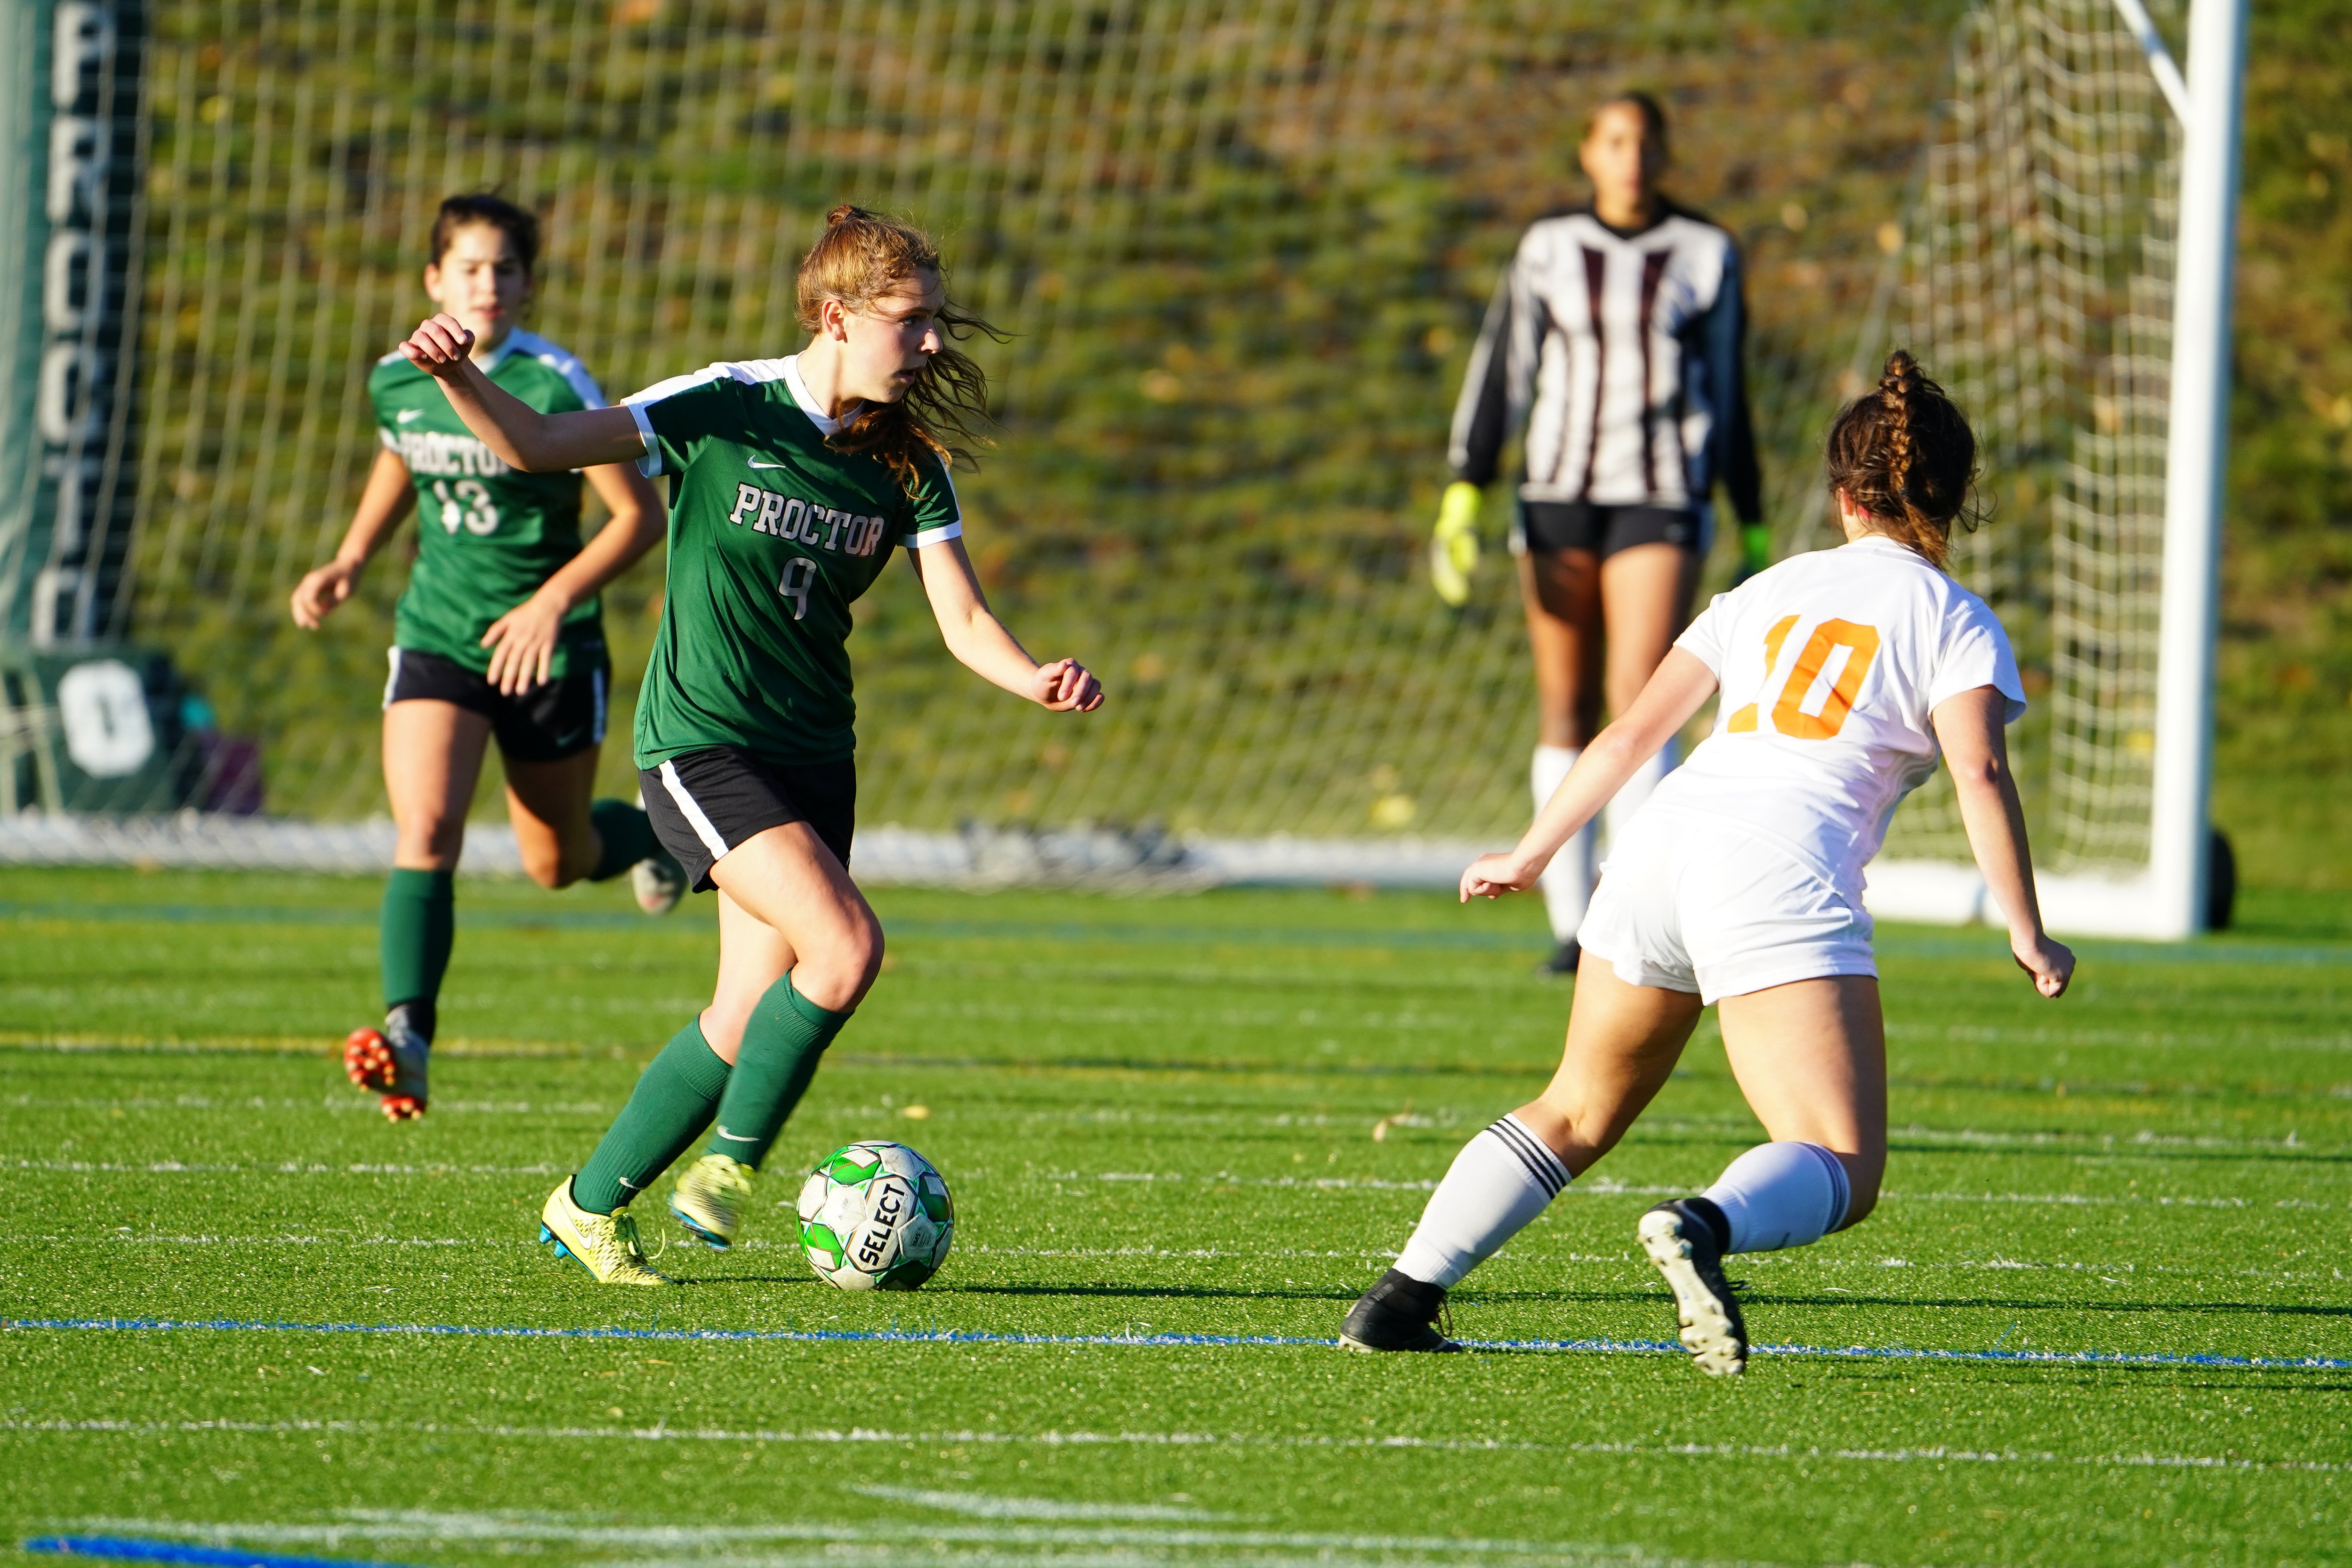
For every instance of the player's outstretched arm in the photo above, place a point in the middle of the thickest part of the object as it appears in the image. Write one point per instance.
(1976, 747)
(1678, 689)
(523, 437)
(522, 642)
(981, 645)
(389, 497)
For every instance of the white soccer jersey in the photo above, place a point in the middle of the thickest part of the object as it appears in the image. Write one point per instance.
(1621, 354)
(1831, 665)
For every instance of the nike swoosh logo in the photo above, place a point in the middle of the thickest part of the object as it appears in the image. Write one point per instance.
(736, 1137)
(757, 463)
(405, 414)
(562, 741)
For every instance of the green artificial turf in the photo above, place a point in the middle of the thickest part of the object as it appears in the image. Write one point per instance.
(1158, 1118)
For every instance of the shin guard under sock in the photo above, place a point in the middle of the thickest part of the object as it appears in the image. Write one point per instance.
(1567, 882)
(1781, 1195)
(782, 1042)
(1499, 1182)
(420, 913)
(672, 1103)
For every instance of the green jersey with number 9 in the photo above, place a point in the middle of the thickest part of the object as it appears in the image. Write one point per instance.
(773, 535)
(487, 535)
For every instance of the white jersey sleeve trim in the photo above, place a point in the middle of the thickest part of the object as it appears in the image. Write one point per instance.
(650, 465)
(938, 535)
(562, 362)
(751, 372)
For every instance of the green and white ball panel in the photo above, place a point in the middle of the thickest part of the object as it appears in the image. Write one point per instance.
(875, 1215)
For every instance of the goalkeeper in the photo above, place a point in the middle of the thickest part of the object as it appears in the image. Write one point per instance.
(1615, 340)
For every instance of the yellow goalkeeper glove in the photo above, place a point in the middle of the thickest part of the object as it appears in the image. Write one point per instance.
(1453, 547)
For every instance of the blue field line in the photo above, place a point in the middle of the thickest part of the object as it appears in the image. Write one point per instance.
(977, 1336)
(129, 1549)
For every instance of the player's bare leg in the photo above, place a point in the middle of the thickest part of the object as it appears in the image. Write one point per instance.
(798, 947)
(1645, 601)
(548, 803)
(432, 758)
(1810, 1056)
(1561, 591)
(1622, 1042)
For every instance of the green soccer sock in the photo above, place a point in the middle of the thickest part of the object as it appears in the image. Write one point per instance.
(627, 834)
(672, 1103)
(420, 915)
(782, 1044)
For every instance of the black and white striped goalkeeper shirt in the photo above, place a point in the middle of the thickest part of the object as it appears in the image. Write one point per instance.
(1621, 353)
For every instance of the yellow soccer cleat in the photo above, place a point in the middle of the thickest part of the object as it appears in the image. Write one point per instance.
(603, 1244)
(1453, 546)
(710, 1196)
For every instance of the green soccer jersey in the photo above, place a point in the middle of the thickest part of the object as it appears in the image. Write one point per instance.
(773, 535)
(488, 536)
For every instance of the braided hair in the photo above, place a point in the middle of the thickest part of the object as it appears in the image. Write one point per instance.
(860, 256)
(1903, 452)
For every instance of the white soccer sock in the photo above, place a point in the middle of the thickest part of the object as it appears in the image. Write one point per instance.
(1633, 791)
(1781, 1195)
(1498, 1183)
(1567, 882)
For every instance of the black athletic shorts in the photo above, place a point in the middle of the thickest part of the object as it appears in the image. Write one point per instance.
(704, 803)
(545, 724)
(1549, 525)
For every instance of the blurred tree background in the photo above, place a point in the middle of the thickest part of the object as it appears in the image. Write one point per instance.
(1243, 249)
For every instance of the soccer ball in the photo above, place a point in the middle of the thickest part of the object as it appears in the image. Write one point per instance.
(876, 1217)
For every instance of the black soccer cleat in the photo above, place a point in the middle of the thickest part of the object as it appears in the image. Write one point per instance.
(1398, 1313)
(1563, 961)
(1685, 1238)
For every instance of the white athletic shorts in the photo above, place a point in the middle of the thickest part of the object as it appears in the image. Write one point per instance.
(1690, 905)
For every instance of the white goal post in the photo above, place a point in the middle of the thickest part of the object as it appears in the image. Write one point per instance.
(2168, 897)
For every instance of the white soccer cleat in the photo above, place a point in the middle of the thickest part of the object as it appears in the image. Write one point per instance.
(658, 882)
(1682, 1245)
(603, 1244)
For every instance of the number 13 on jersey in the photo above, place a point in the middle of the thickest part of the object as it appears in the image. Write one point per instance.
(1789, 714)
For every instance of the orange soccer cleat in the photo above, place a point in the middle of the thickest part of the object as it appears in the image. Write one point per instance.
(382, 1067)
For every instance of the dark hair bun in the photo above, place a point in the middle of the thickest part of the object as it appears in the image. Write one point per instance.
(844, 213)
(1903, 452)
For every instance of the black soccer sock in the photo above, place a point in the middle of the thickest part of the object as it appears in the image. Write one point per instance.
(627, 834)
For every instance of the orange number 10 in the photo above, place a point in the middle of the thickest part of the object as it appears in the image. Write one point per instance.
(1861, 643)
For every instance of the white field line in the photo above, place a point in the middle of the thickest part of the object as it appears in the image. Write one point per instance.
(985, 1505)
(282, 1168)
(336, 1104)
(1595, 1186)
(1602, 1187)
(1532, 1256)
(2000, 1034)
(1936, 1453)
(369, 1525)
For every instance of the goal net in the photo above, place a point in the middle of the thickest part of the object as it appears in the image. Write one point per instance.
(2036, 283)
(1242, 246)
